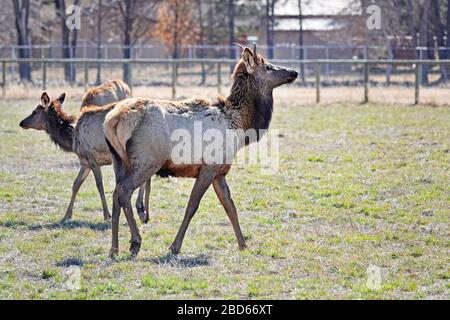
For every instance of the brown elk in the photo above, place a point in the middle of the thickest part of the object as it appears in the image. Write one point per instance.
(138, 132)
(82, 135)
(111, 91)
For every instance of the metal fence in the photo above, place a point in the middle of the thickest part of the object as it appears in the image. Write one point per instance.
(175, 70)
(86, 50)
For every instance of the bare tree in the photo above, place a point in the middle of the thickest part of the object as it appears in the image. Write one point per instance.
(300, 38)
(270, 23)
(440, 37)
(201, 37)
(135, 20)
(424, 39)
(69, 39)
(177, 25)
(22, 15)
(99, 40)
(231, 38)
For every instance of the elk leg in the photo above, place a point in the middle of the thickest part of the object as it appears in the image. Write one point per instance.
(82, 175)
(143, 210)
(125, 191)
(115, 226)
(202, 184)
(99, 182)
(147, 199)
(223, 193)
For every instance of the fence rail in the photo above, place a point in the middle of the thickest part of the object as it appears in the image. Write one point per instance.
(281, 50)
(174, 63)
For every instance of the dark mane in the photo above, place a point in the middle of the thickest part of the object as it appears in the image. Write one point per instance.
(247, 97)
(60, 126)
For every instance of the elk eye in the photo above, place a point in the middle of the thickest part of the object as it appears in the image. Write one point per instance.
(268, 68)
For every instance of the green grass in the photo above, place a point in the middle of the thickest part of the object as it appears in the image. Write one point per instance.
(357, 186)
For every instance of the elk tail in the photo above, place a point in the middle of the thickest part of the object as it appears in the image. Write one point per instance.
(117, 138)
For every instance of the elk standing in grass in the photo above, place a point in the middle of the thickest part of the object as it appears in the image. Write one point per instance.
(84, 136)
(138, 132)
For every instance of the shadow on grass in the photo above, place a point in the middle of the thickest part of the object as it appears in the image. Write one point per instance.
(70, 262)
(177, 261)
(65, 225)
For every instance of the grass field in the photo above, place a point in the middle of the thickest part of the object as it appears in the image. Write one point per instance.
(358, 186)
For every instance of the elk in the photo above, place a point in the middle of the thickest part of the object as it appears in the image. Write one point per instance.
(83, 135)
(138, 132)
(111, 91)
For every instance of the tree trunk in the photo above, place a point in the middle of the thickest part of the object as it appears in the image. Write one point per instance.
(447, 43)
(99, 41)
(128, 28)
(390, 56)
(439, 30)
(201, 39)
(175, 43)
(21, 13)
(231, 38)
(412, 26)
(424, 40)
(270, 7)
(69, 40)
(301, 40)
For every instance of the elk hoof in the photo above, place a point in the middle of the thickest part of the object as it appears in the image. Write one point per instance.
(107, 218)
(135, 247)
(143, 215)
(113, 253)
(174, 249)
(66, 218)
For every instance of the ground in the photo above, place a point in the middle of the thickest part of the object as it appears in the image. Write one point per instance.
(359, 187)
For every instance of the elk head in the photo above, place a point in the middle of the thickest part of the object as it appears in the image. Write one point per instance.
(265, 73)
(38, 119)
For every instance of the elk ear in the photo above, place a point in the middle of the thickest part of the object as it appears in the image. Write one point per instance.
(249, 60)
(45, 100)
(61, 98)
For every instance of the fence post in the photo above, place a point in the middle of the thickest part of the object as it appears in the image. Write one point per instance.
(44, 75)
(86, 76)
(174, 80)
(366, 82)
(317, 68)
(3, 78)
(130, 75)
(219, 77)
(417, 83)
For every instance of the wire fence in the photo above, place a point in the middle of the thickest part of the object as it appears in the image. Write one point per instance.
(215, 72)
(86, 50)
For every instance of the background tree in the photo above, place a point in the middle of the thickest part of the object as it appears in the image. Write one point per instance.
(231, 18)
(22, 15)
(177, 25)
(270, 25)
(98, 15)
(300, 4)
(69, 37)
(136, 18)
(201, 38)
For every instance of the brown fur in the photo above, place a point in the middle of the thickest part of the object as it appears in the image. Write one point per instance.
(108, 92)
(94, 109)
(70, 118)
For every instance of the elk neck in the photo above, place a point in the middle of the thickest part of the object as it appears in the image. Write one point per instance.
(60, 128)
(249, 104)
